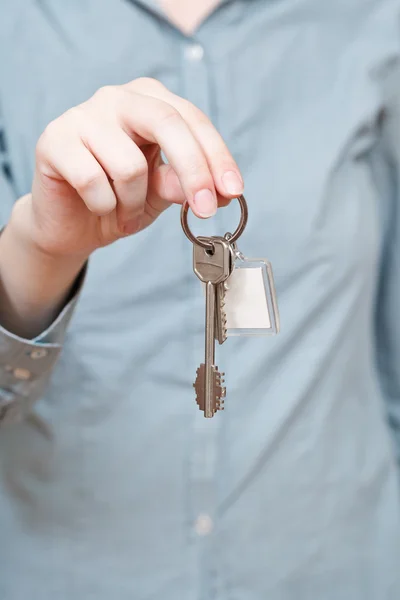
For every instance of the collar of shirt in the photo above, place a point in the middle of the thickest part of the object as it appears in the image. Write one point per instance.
(154, 5)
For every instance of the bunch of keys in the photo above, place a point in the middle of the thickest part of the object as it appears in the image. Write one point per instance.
(240, 300)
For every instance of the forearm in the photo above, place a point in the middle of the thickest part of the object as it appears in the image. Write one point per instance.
(34, 286)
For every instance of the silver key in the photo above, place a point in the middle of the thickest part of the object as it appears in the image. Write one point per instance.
(212, 269)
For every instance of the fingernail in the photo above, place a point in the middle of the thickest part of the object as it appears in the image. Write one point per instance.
(205, 203)
(132, 226)
(233, 183)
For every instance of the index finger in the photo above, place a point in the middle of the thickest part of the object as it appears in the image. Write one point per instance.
(226, 173)
(158, 122)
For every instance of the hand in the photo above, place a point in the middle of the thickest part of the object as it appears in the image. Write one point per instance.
(99, 174)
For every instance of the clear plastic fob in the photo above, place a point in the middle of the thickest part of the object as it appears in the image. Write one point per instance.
(250, 299)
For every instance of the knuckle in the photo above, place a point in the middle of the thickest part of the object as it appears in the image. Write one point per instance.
(74, 114)
(45, 140)
(147, 84)
(201, 119)
(198, 178)
(107, 93)
(123, 98)
(57, 129)
(223, 159)
(41, 147)
(169, 115)
(88, 180)
(71, 121)
(132, 171)
(193, 111)
(196, 167)
(41, 151)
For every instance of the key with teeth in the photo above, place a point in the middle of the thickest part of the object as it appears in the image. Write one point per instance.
(212, 267)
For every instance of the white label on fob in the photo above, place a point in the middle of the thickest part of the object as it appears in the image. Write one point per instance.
(246, 304)
(250, 300)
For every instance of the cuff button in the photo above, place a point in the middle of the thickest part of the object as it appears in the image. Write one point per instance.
(37, 354)
(22, 374)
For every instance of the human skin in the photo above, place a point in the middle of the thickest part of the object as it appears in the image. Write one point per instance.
(99, 176)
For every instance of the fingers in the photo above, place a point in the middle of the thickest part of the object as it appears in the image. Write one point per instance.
(166, 185)
(159, 123)
(61, 156)
(225, 172)
(105, 149)
(126, 167)
(165, 189)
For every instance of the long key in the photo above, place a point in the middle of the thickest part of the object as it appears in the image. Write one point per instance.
(212, 269)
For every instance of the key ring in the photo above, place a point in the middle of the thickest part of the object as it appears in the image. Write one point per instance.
(209, 246)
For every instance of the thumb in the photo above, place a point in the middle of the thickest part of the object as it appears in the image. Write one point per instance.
(163, 190)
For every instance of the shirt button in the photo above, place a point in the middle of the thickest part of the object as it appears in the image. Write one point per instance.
(39, 353)
(203, 525)
(194, 53)
(22, 374)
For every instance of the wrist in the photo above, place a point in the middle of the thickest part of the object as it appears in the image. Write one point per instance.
(34, 284)
(24, 233)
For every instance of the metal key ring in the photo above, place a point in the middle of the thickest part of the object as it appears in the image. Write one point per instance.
(232, 239)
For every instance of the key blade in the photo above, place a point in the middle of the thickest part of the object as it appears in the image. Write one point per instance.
(209, 349)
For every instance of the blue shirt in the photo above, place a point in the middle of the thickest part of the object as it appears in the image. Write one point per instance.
(112, 483)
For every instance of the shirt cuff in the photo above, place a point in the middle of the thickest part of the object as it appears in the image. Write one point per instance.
(24, 363)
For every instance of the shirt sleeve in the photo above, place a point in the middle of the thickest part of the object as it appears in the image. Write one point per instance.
(26, 365)
(388, 297)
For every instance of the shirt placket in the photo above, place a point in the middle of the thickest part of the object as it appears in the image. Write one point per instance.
(203, 453)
